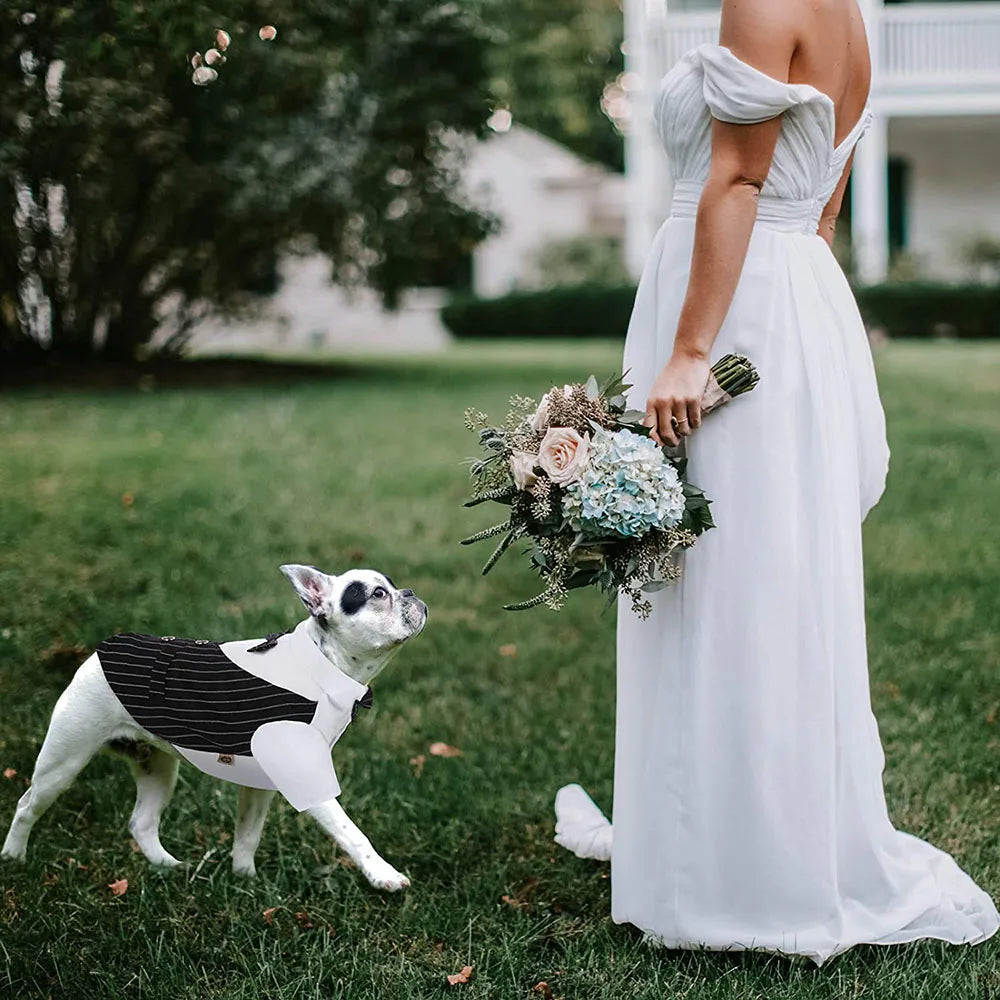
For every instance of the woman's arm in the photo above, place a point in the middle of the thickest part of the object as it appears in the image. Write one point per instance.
(828, 220)
(761, 33)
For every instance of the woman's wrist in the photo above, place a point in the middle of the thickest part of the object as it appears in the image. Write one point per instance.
(689, 352)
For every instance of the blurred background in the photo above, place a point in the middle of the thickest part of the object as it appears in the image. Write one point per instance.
(387, 177)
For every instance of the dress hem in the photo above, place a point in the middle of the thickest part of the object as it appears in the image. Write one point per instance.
(818, 957)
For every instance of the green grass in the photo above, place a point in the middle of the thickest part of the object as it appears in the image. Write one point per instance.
(225, 485)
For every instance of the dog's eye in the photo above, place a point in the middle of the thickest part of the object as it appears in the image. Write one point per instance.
(380, 592)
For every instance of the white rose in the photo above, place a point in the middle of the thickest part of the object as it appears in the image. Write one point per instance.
(522, 468)
(563, 454)
(540, 420)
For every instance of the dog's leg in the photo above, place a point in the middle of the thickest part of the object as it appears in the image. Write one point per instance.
(155, 773)
(331, 816)
(250, 815)
(79, 728)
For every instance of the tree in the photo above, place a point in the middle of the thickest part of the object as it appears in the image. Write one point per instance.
(130, 195)
(552, 64)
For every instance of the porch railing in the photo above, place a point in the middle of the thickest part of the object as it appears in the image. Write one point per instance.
(920, 45)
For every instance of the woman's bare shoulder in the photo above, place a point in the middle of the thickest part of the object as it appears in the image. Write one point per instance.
(763, 33)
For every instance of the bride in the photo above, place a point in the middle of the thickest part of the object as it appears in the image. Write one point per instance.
(749, 810)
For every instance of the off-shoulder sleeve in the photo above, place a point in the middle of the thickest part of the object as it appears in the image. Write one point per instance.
(740, 93)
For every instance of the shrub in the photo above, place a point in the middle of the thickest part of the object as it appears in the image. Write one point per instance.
(575, 311)
(580, 260)
(925, 309)
(904, 309)
(133, 199)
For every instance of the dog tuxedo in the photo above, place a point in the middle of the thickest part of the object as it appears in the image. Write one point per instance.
(260, 713)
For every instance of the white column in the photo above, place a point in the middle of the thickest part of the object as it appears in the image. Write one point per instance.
(646, 168)
(870, 203)
(870, 173)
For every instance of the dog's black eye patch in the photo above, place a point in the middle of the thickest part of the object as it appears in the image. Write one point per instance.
(354, 597)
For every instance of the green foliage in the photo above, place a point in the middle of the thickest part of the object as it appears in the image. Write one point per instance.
(582, 260)
(926, 309)
(574, 311)
(130, 191)
(228, 484)
(981, 254)
(551, 63)
(906, 309)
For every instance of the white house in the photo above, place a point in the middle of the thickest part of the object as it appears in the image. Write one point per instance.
(542, 193)
(926, 176)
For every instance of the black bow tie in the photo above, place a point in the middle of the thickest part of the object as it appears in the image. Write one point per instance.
(269, 643)
(365, 701)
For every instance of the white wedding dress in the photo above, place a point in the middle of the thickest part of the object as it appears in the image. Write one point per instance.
(748, 802)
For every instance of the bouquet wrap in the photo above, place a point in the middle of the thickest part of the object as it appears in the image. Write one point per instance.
(714, 395)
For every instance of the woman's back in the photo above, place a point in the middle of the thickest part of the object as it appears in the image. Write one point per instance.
(831, 53)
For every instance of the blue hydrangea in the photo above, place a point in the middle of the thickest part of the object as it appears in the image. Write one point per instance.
(628, 488)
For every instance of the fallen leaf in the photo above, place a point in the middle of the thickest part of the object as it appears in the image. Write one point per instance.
(522, 893)
(417, 763)
(269, 913)
(991, 717)
(302, 919)
(543, 989)
(9, 772)
(119, 888)
(50, 879)
(460, 977)
(443, 750)
(509, 649)
(355, 555)
(128, 498)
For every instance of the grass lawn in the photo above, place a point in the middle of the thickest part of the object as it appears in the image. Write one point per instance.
(169, 511)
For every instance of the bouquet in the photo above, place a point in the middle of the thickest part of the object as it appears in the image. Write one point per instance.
(600, 503)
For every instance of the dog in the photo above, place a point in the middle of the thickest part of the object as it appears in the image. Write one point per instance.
(262, 714)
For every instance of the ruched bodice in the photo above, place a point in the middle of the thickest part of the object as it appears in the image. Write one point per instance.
(711, 82)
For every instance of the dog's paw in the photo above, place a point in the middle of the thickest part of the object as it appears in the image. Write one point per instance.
(244, 867)
(165, 862)
(13, 854)
(382, 875)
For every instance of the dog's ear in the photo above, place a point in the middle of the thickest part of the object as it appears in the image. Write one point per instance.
(312, 586)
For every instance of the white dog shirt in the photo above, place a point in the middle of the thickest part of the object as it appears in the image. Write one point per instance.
(260, 713)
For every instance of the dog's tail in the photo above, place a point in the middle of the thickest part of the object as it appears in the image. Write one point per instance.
(580, 826)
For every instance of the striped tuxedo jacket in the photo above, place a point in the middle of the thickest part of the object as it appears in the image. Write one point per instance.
(261, 713)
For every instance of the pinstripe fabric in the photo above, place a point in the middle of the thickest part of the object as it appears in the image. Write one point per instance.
(192, 695)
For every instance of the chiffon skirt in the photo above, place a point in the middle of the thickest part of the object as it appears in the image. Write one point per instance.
(748, 808)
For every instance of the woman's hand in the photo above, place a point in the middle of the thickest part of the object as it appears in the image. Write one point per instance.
(673, 409)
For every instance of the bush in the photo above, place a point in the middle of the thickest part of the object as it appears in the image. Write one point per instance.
(904, 309)
(925, 309)
(133, 200)
(580, 260)
(576, 311)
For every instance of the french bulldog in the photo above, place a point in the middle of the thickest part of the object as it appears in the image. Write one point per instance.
(262, 714)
